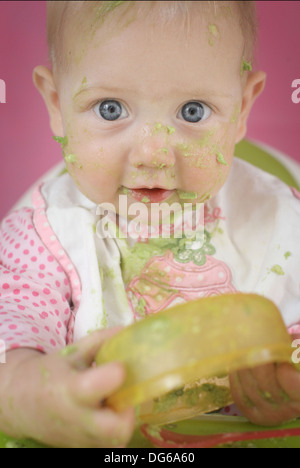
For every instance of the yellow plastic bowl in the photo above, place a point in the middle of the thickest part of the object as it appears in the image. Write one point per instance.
(178, 360)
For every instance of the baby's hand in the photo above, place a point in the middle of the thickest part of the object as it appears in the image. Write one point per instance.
(60, 398)
(268, 394)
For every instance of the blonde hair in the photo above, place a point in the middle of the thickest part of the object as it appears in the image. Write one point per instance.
(61, 13)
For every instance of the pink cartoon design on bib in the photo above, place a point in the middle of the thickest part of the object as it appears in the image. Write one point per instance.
(165, 282)
(166, 272)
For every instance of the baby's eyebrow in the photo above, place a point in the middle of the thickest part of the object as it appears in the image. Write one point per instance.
(111, 90)
(91, 89)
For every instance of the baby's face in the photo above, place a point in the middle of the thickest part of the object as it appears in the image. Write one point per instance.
(151, 107)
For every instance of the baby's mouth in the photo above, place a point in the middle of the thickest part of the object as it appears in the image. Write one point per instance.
(150, 195)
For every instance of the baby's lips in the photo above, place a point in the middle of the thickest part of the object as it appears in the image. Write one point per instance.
(150, 195)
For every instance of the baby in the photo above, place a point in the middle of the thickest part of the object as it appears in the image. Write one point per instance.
(148, 100)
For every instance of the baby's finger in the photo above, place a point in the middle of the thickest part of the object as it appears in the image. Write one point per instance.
(289, 380)
(241, 399)
(118, 426)
(82, 353)
(93, 385)
(253, 404)
(103, 428)
(269, 389)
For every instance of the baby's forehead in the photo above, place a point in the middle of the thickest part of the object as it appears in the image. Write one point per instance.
(93, 15)
(74, 23)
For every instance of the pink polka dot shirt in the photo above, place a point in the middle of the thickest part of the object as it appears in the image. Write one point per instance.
(35, 292)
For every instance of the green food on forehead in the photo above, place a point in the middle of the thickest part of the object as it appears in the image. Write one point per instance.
(213, 33)
(213, 29)
(107, 7)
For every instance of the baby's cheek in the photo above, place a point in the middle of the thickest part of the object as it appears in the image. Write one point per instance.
(207, 177)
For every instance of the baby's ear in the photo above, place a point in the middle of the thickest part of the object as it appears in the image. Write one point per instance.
(254, 86)
(44, 82)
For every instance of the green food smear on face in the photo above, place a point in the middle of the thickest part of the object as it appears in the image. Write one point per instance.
(69, 158)
(277, 269)
(213, 29)
(125, 190)
(187, 195)
(235, 113)
(159, 166)
(159, 127)
(287, 255)
(72, 158)
(220, 159)
(170, 130)
(245, 66)
(145, 200)
(63, 141)
(213, 33)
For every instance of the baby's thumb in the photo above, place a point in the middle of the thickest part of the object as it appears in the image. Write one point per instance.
(82, 353)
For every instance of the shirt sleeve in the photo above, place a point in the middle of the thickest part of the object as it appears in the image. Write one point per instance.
(35, 293)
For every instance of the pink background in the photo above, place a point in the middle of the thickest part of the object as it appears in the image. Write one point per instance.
(26, 146)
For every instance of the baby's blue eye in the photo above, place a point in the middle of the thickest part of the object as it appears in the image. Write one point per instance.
(110, 110)
(194, 111)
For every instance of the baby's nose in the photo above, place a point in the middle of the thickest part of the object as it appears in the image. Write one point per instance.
(153, 151)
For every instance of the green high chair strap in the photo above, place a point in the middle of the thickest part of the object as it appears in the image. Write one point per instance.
(262, 159)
